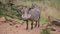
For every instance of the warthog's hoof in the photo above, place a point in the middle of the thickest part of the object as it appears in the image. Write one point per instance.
(38, 25)
(26, 28)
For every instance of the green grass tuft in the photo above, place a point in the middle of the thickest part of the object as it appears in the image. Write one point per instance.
(45, 31)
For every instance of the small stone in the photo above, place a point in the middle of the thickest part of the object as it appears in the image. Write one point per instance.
(59, 31)
(16, 26)
(52, 29)
(2, 19)
(11, 24)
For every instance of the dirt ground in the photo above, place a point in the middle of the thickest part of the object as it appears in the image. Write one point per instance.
(7, 28)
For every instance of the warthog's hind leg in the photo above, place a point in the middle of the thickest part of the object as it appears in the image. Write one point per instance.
(32, 25)
(36, 24)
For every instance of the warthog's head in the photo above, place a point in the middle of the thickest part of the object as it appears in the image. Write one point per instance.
(25, 13)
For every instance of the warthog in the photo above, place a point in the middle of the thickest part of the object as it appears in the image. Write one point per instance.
(32, 14)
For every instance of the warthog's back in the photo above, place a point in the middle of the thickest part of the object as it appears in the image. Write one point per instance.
(35, 13)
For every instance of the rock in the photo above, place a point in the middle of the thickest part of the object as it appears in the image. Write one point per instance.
(54, 21)
(21, 23)
(11, 24)
(45, 25)
(16, 26)
(53, 29)
(58, 31)
(2, 19)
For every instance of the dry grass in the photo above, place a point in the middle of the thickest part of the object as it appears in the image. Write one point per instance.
(47, 8)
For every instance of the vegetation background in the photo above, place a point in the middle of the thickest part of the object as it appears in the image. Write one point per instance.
(47, 8)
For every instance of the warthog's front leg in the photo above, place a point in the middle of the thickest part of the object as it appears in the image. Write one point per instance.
(38, 24)
(27, 25)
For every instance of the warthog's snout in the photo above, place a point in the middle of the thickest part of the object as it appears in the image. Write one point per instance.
(25, 17)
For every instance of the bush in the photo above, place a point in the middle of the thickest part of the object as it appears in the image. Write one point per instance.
(1, 13)
(45, 31)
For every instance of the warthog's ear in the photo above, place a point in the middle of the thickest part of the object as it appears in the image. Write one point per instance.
(29, 9)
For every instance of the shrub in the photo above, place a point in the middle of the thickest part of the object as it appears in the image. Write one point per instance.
(1, 13)
(45, 31)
